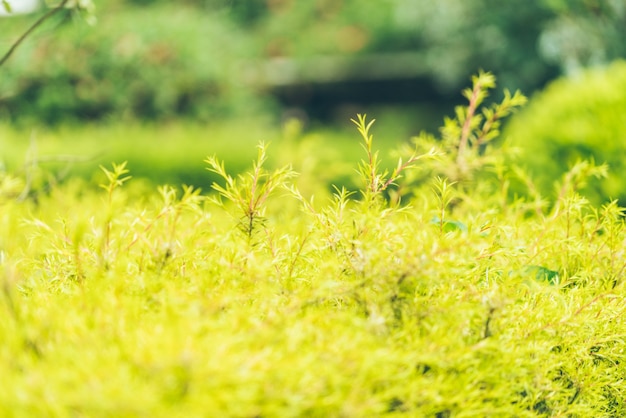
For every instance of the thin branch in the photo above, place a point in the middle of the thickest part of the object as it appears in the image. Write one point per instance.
(466, 130)
(30, 30)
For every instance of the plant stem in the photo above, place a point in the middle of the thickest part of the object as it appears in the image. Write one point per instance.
(30, 30)
(467, 124)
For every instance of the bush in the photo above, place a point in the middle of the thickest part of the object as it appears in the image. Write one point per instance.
(259, 301)
(158, 59)
(176, 62)
(576, 118)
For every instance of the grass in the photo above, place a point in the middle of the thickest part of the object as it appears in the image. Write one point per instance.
(432, 298)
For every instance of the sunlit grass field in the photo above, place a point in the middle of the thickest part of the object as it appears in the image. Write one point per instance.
(274, 295)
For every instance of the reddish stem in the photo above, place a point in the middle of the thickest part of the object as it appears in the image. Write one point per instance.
(465, 132)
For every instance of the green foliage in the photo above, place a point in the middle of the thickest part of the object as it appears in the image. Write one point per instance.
(576, 118)
(116, 178)
(206, 59)
(170, 62)
(445, 196)
(450, 304)
(469, 131)
(583, 34)
(377, 181)
(252, 191)
(465, 152)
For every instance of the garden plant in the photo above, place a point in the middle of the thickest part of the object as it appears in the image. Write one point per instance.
(576, 118)
(429, 291)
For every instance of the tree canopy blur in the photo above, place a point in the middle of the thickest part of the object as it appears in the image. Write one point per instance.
(153, 59)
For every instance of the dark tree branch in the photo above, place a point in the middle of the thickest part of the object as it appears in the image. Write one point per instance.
(30, 30)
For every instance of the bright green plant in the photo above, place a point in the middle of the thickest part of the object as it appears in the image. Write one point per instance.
(445, 196)
(476, 125)
(465, 137)
(10, 186)
(339, 307)
(376, 180)
(468, 154)
(575, 118)
(249, 192)
(116, 178)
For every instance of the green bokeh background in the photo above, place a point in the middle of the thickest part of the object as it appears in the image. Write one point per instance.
(162, 84)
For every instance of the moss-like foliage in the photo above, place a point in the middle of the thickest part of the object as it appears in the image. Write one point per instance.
(576, 118)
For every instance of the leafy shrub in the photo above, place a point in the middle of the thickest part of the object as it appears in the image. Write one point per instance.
(159, 59)
(578, 117)
(171, 62)
(261, 301)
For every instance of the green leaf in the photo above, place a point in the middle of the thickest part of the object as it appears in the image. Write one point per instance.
(540, 273)
(449, 225)
(7, 6)
(543, 274)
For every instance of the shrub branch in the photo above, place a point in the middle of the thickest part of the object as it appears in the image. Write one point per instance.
(30, 30)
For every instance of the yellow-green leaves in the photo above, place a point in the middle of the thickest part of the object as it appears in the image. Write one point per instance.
(457, 305)
(116, 177)
(250, 191)
(474, 127)
(376, 180)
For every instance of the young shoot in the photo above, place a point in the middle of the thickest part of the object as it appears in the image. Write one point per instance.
(445, 195)
(116, 178)
(472, 128)
(577, 178)
(377, 181)
(249, 192)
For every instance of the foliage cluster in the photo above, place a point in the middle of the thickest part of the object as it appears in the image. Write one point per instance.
(172, 61)
(158, 60)
(261, 300)
(573, 119)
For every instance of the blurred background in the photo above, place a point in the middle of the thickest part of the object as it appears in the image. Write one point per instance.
(227, 68)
